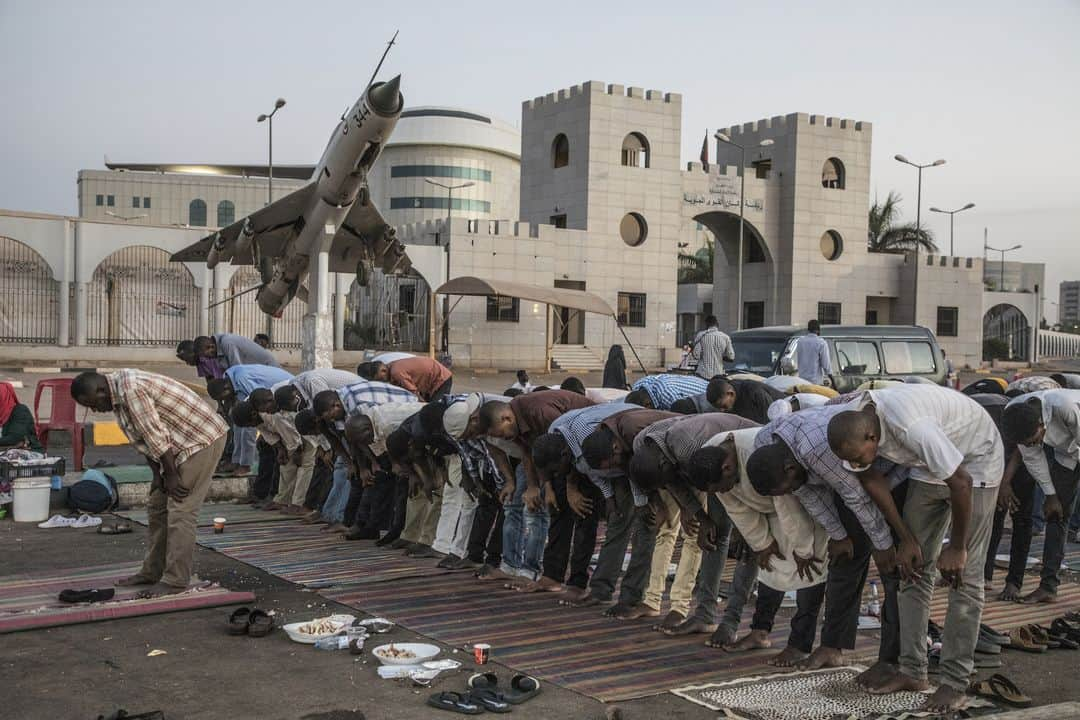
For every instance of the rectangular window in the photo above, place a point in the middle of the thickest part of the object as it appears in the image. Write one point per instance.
(439, 203)
(146, 203)
(631, 311)
(559, 221)
(902, 358)
(99, 200)
(948, 321)
(753, 314)
(828, 313)
(502, 309)
(857, 358)
(440, 171)
(111, 201)
(135, 201)
(407, 298)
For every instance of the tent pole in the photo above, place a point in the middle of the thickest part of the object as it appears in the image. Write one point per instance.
(632, 349)
(548, 322)
(431, 324)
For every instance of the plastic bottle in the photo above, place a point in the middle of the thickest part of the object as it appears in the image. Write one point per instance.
(874, 607)
(334, 642)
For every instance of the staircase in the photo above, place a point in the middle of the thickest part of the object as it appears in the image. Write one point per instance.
(575, 357)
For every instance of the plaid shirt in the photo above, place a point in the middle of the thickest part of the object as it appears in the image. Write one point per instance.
(805, 434)
(372, 392)
(711, 348)
(577, 425)
(159, 414)
(664, 390)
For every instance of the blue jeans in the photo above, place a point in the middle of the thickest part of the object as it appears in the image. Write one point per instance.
(333, 509)
(244, 452)
(524, 533)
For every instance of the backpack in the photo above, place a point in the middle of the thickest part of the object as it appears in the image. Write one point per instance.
(92, 495)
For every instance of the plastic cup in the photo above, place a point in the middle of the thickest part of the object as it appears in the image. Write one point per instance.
(219, 525)
(481, 653)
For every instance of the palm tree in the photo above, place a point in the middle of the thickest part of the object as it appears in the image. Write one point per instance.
(697, 268)
(886, 236)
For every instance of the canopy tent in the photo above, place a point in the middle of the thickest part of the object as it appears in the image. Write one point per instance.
(573, 299)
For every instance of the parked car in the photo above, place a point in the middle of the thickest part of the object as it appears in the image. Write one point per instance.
(859, 353)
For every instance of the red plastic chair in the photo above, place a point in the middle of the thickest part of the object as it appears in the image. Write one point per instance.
(61, 416)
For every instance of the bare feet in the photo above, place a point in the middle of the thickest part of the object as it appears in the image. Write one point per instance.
(1039, 595)
(544, 584)
(787, 657)
(754, 640)
(631, 612)
(876, 675)
(587, 600)
(240, 471)
(693, 626)
(135, 580)
(1011, 593)
(945, 700)
(489, 573)
(721, 637)
(335, 528)
(573, 594)
(898, 683)
(673, 619)
(823, 657)
(160, 589)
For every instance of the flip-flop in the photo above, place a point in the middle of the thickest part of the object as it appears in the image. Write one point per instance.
(522, 689)
(238, 621)
(84, 596)
(454, 702)
(1065, 629)
(488, 680)
(490, 700)
(1062, 640)
(1042, 637)
(1022, 639)
(1008, 693)
(260, 624)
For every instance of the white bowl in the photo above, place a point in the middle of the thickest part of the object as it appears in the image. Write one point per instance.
(421, 652)
(293, 629)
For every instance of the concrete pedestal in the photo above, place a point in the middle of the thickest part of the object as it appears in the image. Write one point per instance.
(318, 327)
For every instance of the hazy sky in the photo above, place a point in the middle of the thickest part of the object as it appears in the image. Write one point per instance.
(992, 87)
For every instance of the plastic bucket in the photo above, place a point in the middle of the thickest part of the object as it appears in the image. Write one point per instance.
(31, 499)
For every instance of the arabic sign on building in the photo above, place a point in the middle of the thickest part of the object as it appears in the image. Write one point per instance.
(723, 193)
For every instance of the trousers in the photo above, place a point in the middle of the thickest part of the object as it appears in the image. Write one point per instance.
(485, 538)
(456, 518)
(803, 624)
(682, 587)
(707, 584)
(572, 539)
(524, 533)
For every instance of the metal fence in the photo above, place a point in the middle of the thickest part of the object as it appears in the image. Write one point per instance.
(137, 297)
(243, 316)
(1006, 332)
(390, 311)
(29, 296)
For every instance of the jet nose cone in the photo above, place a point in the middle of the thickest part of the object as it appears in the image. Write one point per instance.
(385, 98)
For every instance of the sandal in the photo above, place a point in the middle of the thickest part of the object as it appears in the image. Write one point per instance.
(260, 624)
(1021, 639)
(1060, 639)
(490, 700)
(454, 702)
(522, 689)
(119, 528)
(238, 621)
(488, 680)
(1065, 629)
(1042, 637)
(1008, 693)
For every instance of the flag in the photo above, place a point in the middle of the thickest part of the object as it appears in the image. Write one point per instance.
(705, 152)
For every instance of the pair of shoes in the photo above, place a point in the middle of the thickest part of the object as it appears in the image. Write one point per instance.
(83, 521)
(246, 621)
(449, 562)
(1001, 689)
(85, 596)
(522, 688)
(484, 694)
(118, 528)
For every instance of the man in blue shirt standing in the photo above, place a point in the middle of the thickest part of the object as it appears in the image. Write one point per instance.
(812, 355)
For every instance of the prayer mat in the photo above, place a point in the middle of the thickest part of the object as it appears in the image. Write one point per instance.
(233, 514)
(812, 695)
(305, 554)
(29, 601)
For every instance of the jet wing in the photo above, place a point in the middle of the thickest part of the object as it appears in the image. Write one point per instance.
(273, 226)
(365, 237)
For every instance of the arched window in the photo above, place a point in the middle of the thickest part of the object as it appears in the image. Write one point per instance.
(832, 174)
(635, 150)
(226, 213)
(560, 151)
(197, 213)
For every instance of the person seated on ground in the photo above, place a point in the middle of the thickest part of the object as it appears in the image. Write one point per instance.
(262, 340)
(16, 422)
(956, 458)
(523, 383)
(790, 548)
(1045, 426)
(747, 398)
(661, 460)
(296, 452)
(425, 377)
(573, 384)
(661, 391)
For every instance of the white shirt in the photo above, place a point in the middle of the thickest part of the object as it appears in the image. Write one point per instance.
(812, 358)
(934, 430)
(605, 395)
(387, 418)
(1061, 417)
(784, 383)
(526, 388)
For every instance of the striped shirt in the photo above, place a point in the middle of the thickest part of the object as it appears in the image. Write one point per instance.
(311, 383)
(711, 348)
(577, 425)
(372, 392)
(159, 414)
(1061, 418)
(665, 389)
(934, 430)
(806, 435)
(680, 437)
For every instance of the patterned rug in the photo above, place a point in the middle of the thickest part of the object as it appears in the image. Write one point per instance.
(233, 514)
(29, 601)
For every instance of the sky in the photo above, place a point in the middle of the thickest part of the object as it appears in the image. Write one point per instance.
(991, 87)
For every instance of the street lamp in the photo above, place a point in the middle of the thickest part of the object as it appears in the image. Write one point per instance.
(278, 104)
(449, 194)
(918, 230)
(1001, 286)
(951, 214)
(722, 137)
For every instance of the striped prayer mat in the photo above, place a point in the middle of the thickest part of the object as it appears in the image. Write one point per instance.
(304, 554)
(29, 601)
(233, 514)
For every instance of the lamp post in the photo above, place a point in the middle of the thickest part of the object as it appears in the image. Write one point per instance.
(986, 247)
(722, 137)
(446, 248)
(952, 216)
(278, 104)
(918, 231)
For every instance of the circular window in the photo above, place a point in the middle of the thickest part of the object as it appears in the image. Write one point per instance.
(633, 229)
(832, 245)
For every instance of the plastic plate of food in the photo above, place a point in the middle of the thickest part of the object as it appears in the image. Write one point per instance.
(405, 653)
(311, 631)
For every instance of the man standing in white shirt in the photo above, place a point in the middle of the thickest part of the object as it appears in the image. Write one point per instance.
(1045, 425)
(711, 348)
(812, 355)
(957, 460)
